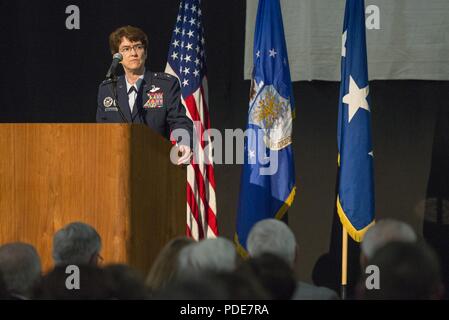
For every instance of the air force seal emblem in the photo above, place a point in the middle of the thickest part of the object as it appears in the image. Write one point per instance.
(272, 113)
(109, 104)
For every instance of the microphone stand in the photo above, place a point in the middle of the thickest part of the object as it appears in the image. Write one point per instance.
(113, 81)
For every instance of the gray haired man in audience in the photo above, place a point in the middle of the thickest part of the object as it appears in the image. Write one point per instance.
(382, 233)
(275, 237)
(218, 255)
(20, 266)
(77, 243)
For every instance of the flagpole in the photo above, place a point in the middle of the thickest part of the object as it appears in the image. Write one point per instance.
(344, 263)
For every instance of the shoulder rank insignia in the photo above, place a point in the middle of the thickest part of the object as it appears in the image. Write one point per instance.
(163, 75)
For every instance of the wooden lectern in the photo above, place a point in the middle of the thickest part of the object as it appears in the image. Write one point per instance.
(116, 177)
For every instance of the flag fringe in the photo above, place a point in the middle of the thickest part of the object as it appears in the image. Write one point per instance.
(279, 215)
(239, 248)
(287, 204)
(355, 234)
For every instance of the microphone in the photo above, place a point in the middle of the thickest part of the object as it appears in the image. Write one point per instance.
(116, 58)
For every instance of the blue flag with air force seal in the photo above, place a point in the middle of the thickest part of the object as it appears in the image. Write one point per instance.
(267, 186)
(355, 199)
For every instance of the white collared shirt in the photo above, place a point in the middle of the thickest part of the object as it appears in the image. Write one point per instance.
(133, 95)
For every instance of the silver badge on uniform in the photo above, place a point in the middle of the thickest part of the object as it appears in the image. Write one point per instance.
(154, 88)
(107, 102)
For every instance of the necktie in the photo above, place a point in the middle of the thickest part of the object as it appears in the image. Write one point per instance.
(132, 93)
(132, 89)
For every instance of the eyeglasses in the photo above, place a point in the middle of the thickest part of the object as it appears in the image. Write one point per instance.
(128, 49)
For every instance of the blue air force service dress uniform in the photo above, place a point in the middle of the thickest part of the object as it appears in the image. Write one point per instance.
(157, 104)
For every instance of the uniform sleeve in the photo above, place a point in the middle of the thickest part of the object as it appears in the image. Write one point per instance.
(176, 112)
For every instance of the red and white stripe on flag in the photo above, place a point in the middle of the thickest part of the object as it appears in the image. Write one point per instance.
(186, 60)
(201, 201)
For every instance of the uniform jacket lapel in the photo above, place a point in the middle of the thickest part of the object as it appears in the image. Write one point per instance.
(142, 95)
(123, 98)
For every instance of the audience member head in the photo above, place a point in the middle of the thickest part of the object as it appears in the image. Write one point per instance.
(212, 285)
(126, 282)
(165, 267)
(407, 271)
(194, 287)
(273, 273)
(216, 254)
(77, 243)
(20, 267)
(275, 237)
(383, 232)
(4, 294)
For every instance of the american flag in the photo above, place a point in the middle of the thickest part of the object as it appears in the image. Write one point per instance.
(186, 61)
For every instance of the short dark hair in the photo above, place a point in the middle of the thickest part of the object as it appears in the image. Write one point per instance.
(132, 33)
(408, 271)
(273, 273)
